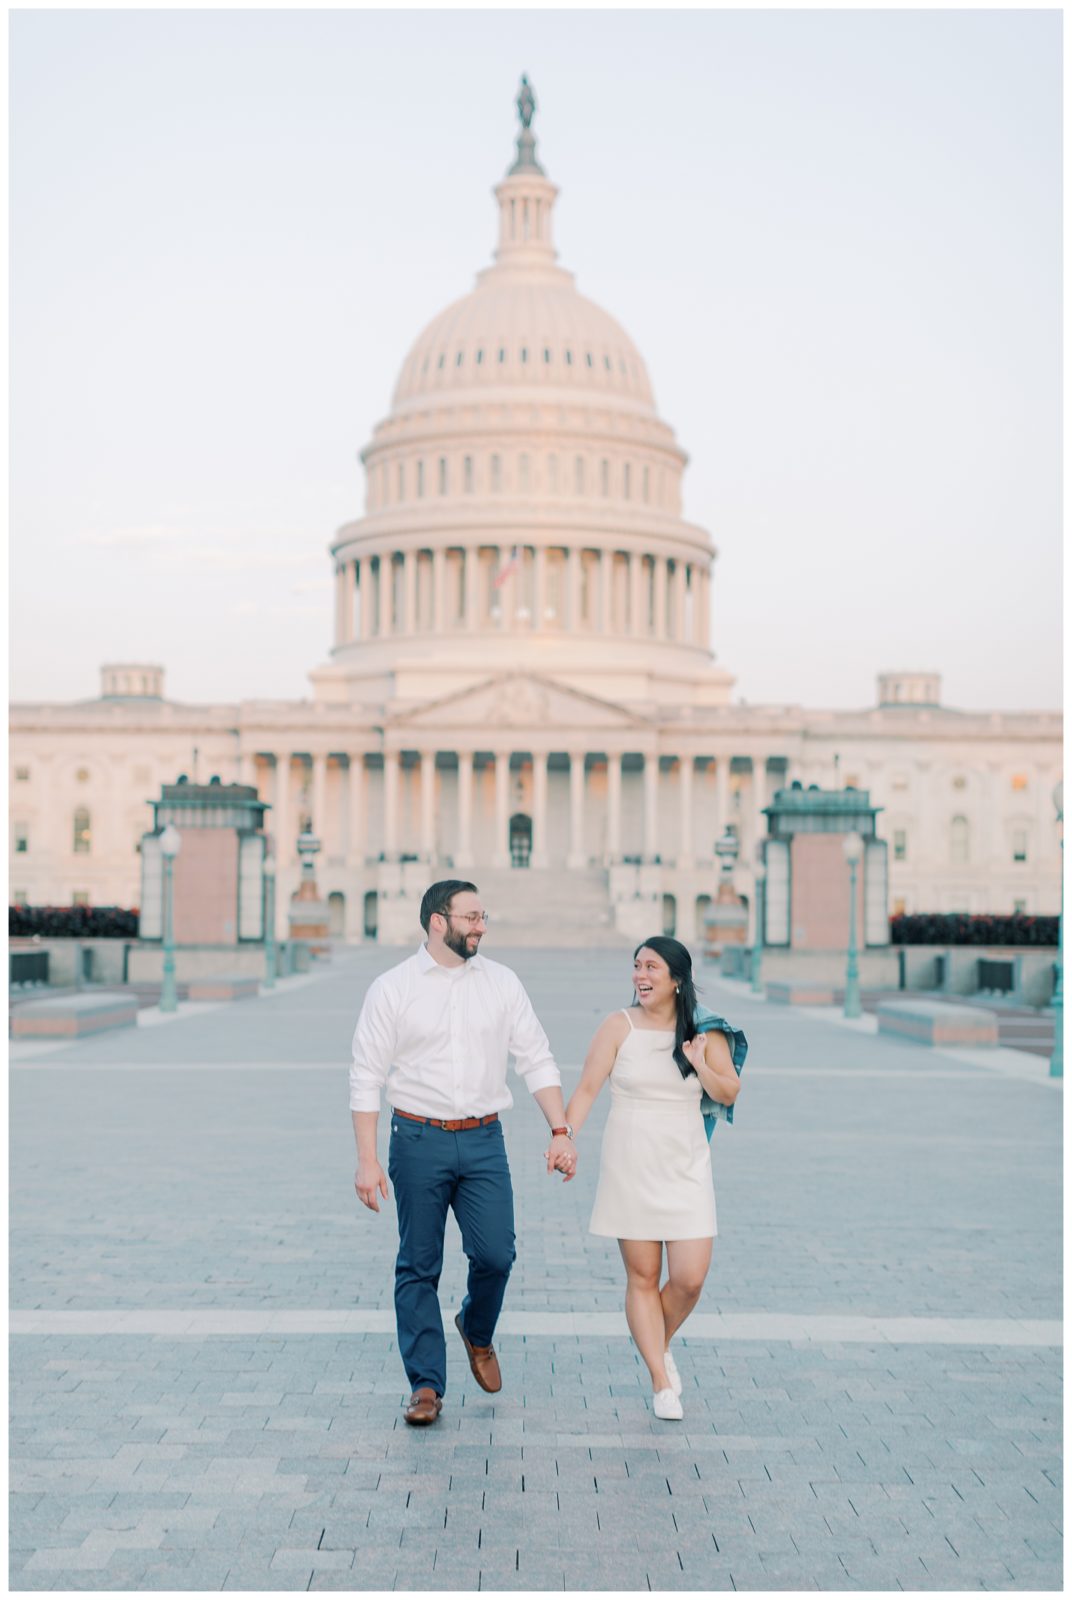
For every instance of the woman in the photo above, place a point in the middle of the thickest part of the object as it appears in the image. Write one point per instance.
(655, 1169)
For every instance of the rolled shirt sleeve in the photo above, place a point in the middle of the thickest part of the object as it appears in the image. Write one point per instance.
(529, 1045)
(373, 1048)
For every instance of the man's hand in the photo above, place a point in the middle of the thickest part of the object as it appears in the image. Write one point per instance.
(369, 1178)
(561, 1157)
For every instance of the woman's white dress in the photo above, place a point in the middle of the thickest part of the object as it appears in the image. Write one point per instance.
(655, 1166)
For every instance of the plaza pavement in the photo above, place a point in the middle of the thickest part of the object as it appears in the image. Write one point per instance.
(205, 1387)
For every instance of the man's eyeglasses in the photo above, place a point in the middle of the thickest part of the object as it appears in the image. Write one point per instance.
(471, 917)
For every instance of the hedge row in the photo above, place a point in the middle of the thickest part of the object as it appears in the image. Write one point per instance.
(72, 922)
(954, 927)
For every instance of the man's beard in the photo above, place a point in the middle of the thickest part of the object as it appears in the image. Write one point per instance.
(458, 942)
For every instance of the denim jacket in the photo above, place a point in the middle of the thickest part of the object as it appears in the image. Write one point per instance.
(707, 1022)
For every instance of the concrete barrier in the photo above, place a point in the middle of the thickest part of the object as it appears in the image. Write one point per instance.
(231, 986)
(73, 1015)
(932, 1022)
(783, 993)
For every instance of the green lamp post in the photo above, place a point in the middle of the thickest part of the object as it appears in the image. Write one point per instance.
(269, 924)
(170, 845)
(1057, 1060)
(759, 876)
(853, 846)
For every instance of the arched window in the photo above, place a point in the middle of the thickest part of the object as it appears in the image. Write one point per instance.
(459, 358)
(82, 832)
(627, 482)
(578, 475)
(959, 841)
(420, 480)
(502, 355)
(604, 477)
(467, 474)
(496, 474)
(588, 358)
(524, 354)
(401, 481)
(645, 485)
(480, 358)
(569, 358)
(442, 474)
(546, 356)
(441, 362)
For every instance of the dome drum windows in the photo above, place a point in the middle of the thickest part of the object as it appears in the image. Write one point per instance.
(467, 475)
(443, 475)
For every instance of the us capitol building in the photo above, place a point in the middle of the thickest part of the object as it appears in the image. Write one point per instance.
(522, 686)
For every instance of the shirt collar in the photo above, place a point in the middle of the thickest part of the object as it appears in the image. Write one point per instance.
(428, 963)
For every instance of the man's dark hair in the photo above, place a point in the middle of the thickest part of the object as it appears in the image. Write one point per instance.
(437, 899)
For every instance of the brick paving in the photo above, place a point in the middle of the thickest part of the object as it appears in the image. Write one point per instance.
(207, 1163)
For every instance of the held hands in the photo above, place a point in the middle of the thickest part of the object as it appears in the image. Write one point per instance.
(368, 1179)
(561, 1157)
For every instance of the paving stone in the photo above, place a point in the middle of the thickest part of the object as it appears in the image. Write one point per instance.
(813, 1464)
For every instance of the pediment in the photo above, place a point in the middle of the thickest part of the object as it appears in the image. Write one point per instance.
(519, 700)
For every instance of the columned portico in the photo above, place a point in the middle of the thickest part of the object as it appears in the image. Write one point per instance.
(576, 857)
(540, 855)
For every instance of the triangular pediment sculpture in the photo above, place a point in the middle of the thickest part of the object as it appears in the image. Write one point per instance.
(519, 700)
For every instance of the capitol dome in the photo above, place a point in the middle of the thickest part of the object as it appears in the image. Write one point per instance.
(523, 496)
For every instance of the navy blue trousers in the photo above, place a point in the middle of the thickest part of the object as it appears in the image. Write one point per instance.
(433, 1171)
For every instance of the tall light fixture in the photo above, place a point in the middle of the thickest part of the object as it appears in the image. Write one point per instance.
(170, 845)
(853, 846)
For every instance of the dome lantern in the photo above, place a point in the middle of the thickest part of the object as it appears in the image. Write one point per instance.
(526, 196)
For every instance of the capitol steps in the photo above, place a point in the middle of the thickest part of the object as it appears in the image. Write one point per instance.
(531, 907)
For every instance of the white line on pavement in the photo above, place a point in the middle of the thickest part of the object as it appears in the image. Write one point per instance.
(754, 1327)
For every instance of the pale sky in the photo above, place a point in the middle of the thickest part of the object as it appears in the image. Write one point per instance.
(834, 237)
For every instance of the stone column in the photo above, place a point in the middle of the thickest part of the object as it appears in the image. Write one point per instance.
(280, 824)
(660, 597)
(636, 604)
(722, 794)
(472, 590)
(365, 579)
(606, 591)
(577, 857)
(340, 605)
(685, 848)
(614, 806)
(248, 768)
(573, 588)
(651, 806)
(463, 854)
(539, 808)
(320, 783)
(699, 605)
(759, 800)
(356, 810)
(409, 592)
(353, 601)
(679, 602)
(428, 804)
(506, 596)
(390, 804)
(501, 844)
(439, 591)
(539, 559)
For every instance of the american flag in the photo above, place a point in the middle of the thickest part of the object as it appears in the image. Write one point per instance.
(507, 567)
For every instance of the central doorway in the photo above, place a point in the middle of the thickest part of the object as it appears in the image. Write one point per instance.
(520, 839)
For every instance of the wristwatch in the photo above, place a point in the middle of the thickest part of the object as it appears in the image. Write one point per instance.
(567, 1130)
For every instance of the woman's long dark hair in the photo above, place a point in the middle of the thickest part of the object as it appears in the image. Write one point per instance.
(679, 961)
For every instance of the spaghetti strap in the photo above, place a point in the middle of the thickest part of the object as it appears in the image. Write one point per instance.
(628, 1018)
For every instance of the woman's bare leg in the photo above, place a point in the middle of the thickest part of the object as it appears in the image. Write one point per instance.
(643, 1306)
(687, 1261)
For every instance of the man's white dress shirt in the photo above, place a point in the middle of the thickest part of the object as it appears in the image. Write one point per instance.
(438, 1038)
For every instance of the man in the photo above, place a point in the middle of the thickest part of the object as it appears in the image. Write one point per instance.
(436, 1030)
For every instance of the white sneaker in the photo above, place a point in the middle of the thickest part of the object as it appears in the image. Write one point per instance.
(666, 1405)
(672, 1373)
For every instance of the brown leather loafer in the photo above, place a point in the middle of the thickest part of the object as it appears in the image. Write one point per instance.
(424, 1407)
(483, 1363)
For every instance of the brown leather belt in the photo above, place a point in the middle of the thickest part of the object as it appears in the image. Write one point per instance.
(448, 1127)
